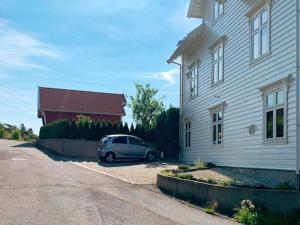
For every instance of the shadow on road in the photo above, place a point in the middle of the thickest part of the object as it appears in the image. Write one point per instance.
(119, 163)
(127, 163)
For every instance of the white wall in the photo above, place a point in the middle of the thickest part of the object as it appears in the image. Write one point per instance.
(240, 89)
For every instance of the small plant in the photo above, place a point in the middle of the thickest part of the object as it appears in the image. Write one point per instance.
(211, 207)
(284, 186)
(226, 183)
(246, 214)
(16, 134)
(183, 167)
(167, 172)
(200, 165)
(185, 176)
(212, 181)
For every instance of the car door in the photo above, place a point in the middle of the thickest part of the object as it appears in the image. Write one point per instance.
(121, 147)
(138, 149)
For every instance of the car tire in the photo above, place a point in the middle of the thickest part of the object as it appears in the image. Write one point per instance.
(110, 157)
(151, 156)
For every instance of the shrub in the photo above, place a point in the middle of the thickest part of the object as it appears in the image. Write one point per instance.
(212, 181)
(185, 176)
(16, 134)
(246, 213)
(184, 167)
(2, 132)
(200, 165)
(284, 186)
(167, 172)
(211, 207)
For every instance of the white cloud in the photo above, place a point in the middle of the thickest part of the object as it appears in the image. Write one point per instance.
(171, 76)
(108, 6)
(18, 48)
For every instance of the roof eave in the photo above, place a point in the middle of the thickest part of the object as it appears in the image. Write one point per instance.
(186, 43)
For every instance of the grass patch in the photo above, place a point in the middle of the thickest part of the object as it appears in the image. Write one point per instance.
(211, 207)
(212, 181)
(184, 167)
(184, 176)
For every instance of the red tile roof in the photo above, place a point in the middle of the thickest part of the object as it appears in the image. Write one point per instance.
(62, 100)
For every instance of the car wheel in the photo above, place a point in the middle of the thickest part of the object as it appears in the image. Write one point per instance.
(151, 156)
(110, 157)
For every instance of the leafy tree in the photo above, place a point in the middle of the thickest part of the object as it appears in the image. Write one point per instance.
(83, 119)
(2, 132)
(145, 107)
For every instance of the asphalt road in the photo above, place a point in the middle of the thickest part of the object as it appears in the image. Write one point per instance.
(36, 188)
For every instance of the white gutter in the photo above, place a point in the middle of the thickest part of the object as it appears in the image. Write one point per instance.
(298, 97)
(180, 104)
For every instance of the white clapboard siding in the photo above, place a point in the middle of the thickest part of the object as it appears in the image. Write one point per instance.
(240, 90)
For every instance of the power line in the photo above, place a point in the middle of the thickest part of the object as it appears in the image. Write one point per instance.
(82, 82)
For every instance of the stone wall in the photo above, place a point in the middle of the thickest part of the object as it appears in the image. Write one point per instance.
(71, 148)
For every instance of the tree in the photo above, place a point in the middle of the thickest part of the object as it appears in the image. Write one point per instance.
(73, 131)
(145, 107)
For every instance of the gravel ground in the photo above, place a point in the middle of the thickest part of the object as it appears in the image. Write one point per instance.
(138, 172)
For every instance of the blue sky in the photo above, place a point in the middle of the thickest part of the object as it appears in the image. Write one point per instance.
(97, 45)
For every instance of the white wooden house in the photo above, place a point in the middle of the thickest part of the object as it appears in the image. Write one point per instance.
(238, 96)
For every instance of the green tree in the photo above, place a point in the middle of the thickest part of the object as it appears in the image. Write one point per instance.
(125, 129)
(73, 130)
(145, 107)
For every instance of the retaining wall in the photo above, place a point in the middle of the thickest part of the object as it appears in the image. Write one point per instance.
(230, 197)
(71, 148)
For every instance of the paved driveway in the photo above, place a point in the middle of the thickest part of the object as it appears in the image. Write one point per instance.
(36, 188)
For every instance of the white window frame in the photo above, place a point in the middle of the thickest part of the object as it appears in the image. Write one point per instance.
(258, 31)
(218, 9)
(273, 91)
(193, 75)
(215, 126)
(187, 134)
(218, 62)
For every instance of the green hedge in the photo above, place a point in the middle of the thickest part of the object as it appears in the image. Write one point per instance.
(165, 134)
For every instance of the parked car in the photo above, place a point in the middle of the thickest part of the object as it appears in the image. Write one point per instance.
(113, 147)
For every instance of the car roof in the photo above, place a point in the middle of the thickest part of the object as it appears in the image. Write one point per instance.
(121, 135)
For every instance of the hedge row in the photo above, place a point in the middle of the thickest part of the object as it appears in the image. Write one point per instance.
(165, 134)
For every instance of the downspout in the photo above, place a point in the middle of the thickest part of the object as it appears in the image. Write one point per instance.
(180, 107)
(298, 98)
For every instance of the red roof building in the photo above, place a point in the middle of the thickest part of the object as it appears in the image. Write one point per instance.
(55, 104)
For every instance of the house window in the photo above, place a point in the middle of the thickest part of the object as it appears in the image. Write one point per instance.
(275, 115)
(187, 134)
(217, 127)
(218, 64)
(219, 8)
(260, 34)
(194, 80)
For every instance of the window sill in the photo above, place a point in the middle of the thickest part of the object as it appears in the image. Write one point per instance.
(279, 141)
(219, 83)
(259, 60)
(219, 146)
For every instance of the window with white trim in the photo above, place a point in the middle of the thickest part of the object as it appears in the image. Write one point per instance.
(187, 131)
(218, 64)
(217, 127)
(194, 80)
(219, 8)
(260, 34)
(275, 115)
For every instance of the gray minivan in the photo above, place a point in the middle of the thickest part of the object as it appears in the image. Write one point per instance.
(119, 146)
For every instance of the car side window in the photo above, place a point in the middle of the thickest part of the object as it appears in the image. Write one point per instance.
(120, 140)
(136, 141)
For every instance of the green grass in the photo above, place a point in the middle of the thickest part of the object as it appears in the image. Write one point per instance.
(184, 176)
(211, 207)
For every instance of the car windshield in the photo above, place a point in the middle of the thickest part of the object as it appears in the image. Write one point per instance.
(104, 140)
